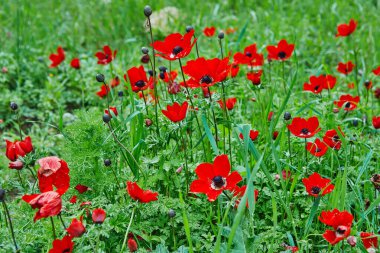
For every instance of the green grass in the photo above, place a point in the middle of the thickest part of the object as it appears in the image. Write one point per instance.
(51, 110)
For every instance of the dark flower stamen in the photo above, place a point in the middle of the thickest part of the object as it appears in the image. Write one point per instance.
(140, 83)
(281, 55)
(248, 54)
(206, 79)
(177, 50)
(315, 190)
(305, 131)
(218, 182)
(347, 105)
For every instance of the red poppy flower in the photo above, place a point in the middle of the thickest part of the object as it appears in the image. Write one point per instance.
(75, 63)
(304, 128)
(175, 46)
(255, 77)
(56, 59)
(234, 70)
(53, 172)
(76, 228)
(113, 109)
(330, 82)
(376, 122)
(98, 216)
(281, 52)
(176, 112)
(132, 245)
(316, 85)
(205, 73)
(293, 249)
(81, 188)
(340, 221)
(209, 31)
(249, 57)
(240, 191)
(18, 165)
(170, 78)
(347, 102)
(252, 135)
(317, 185)
(18, 149)
(368, 84)
(49, 204)
(66, 245)
(270, 116)
(230, 103)
(318, 148)
(214, 178)
(106, 56)
(332, 139)
(351, 85)
(376, 71)
(345, 67)
(137, 78)
(115, 82)
(73, 199)
(140, 195)
(104, 89)
(230, 30)
(369, 240)
(346, 29)
(275, 135)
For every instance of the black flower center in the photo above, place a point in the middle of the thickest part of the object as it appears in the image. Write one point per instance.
(367, 83)
(140, 83)
(177, 50)
(66, 250)
(316, 87)
(305, 131)
(315, 190)
(347, 105)
(335, 138)
(341, 230)
(281, 55)
(206, 79)
(248, 54)
(218, 181)
(318, 150)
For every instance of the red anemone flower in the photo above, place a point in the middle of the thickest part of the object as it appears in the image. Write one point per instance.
(255, 77)
(140, 195)
(76, 228)
(106, 56)
(98, 216)
(369, 240)
(132, 245)
(115, 82)
(113, 109)
(170, 78)
(234, 70)
(205, 73)
(175, 46)
(345, 30)
(56, 59)
(376, 122)
(253, 134)
(332, 139)
(75, 63)
(368, 84)
(317, 185)
(230, 103)
(318, 148)
(73, 199)
(281, 52)
(137, 78)
(347, 102)
(345, 67)
(214, 178)
(304, 128)
(176, 112)
(49, 204)
(66, 245)
(53, 172)
(81, 188)
(317, 84)
(376, 71)
(209, 31)
(249, 57)
(18, 149)
(104, 89)
(329, 82)
(240, 191)
(340, 221)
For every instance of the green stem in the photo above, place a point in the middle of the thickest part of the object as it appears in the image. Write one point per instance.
(127, 231)
(53, 228)
(10, 225)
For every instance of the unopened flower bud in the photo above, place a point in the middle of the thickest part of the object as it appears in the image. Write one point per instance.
(107, 162)
(14, 106)
(148, 122)
(287, 116)
(106, 118)
(120, 94)
(147, 11)
(2, 195)
(221, 35)
(179, 169)
(351, 240)
(18, 165)
(100, 78)
(189, 28)
(145, 58)
(171, 213)
(144, 50)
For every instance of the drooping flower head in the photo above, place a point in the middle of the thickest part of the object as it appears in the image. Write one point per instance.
(317, 185)
(304, 128)
(318, 148)
(281, 52)
(18, 149)
(214, 178)
(205, 73)
(344, 30)
(49, 204)
(106, 56)
(143, 196)
(249, 57)
(53, 172)
(57, 58)
(340, 221)
(176, 112)
(175, 46)
(347, 102)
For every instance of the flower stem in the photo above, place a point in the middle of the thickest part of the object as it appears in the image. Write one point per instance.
(306, 153)
(283, 74)
(10, 225)
(213, 115)
(127, 231)
(183, 135)
(53, 228)
(63, 223)
(290, 150)
(146, 107)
